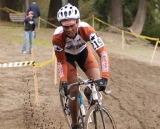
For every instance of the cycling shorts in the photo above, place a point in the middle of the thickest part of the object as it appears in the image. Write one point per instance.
(84, 59)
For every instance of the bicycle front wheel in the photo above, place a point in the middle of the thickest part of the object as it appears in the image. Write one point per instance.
(99, 118)
(66, 110)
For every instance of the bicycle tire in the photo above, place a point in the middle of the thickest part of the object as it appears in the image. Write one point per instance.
(65, 110)
(67, 115)
(101, 118)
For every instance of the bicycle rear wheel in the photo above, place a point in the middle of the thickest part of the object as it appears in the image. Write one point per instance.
(66, 110)
(99, 118)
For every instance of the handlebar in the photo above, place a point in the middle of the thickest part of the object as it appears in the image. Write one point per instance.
(85, 82)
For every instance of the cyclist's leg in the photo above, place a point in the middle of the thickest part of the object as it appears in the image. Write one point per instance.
(89, 65)
(73, 105)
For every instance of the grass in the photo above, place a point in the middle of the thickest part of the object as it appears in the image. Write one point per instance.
(14, 33)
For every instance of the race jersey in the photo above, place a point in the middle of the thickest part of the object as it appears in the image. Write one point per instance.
(63, 44)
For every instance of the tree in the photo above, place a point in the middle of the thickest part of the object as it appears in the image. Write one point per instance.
(73, 2)
(116, 13)
(3, 13)
(52, 15)
(139, 21)
(15, 5)
(102, 8)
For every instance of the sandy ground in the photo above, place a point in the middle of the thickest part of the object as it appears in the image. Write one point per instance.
(134, 82)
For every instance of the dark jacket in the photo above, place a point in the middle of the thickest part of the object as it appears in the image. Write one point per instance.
(29, 24)
(35, 9)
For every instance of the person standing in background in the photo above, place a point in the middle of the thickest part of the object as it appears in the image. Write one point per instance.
(34, 7)
(29, 31)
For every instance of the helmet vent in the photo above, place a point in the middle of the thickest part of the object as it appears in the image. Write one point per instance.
(65, 13)
(75, 11)
(61, 14)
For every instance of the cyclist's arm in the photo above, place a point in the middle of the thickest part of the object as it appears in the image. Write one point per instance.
(89, 34)
(102, 52)
(99, 47)
(61, 59)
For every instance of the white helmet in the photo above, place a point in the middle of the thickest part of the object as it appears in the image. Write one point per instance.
(68, 12)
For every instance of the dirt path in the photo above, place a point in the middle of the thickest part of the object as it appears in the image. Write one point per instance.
(134, 102)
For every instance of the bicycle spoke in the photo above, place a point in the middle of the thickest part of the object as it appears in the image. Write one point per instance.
(101, 119)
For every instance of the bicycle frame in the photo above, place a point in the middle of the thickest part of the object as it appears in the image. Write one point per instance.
(95, 99)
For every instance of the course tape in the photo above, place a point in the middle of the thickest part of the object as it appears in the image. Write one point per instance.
(17, 64)
(93, 17)
(49, 23)
(44, 63)
(13, 11)
(27, 63)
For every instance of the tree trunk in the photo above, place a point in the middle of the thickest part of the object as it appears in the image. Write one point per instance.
(54, 6)
(137, 26)
(116, 13)
(15, 5)
(1, 11)
(73, 2)
(4, 15)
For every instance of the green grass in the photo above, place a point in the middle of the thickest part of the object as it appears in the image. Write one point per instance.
(14, 33)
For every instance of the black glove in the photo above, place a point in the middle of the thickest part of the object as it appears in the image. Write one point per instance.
(102, 83)
(64, 86)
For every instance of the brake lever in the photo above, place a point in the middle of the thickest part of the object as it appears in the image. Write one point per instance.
(71, 98)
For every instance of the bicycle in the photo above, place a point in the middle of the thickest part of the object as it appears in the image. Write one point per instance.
(64, 104)
(95, 117)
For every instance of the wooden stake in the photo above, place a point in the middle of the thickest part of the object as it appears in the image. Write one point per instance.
(35, 80)
(55, 68)
(154, 50)
(122, 40)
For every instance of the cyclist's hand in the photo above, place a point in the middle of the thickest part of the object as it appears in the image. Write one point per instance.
(102, 83)
(64, 86)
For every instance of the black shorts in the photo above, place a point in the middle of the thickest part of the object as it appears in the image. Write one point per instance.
(84, 59)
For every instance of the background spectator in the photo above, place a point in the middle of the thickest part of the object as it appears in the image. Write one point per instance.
(29, 32)
(34, 7)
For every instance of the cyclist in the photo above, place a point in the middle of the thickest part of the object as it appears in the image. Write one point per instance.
(70, 45)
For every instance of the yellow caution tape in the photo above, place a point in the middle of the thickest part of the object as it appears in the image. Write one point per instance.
(44, 63)
(11, 10)
(27, 63)
(48, 22)
(142, 36)
(17, 64)
(87, 18)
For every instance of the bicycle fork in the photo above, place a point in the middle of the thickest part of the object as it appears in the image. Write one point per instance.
(82, 108)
